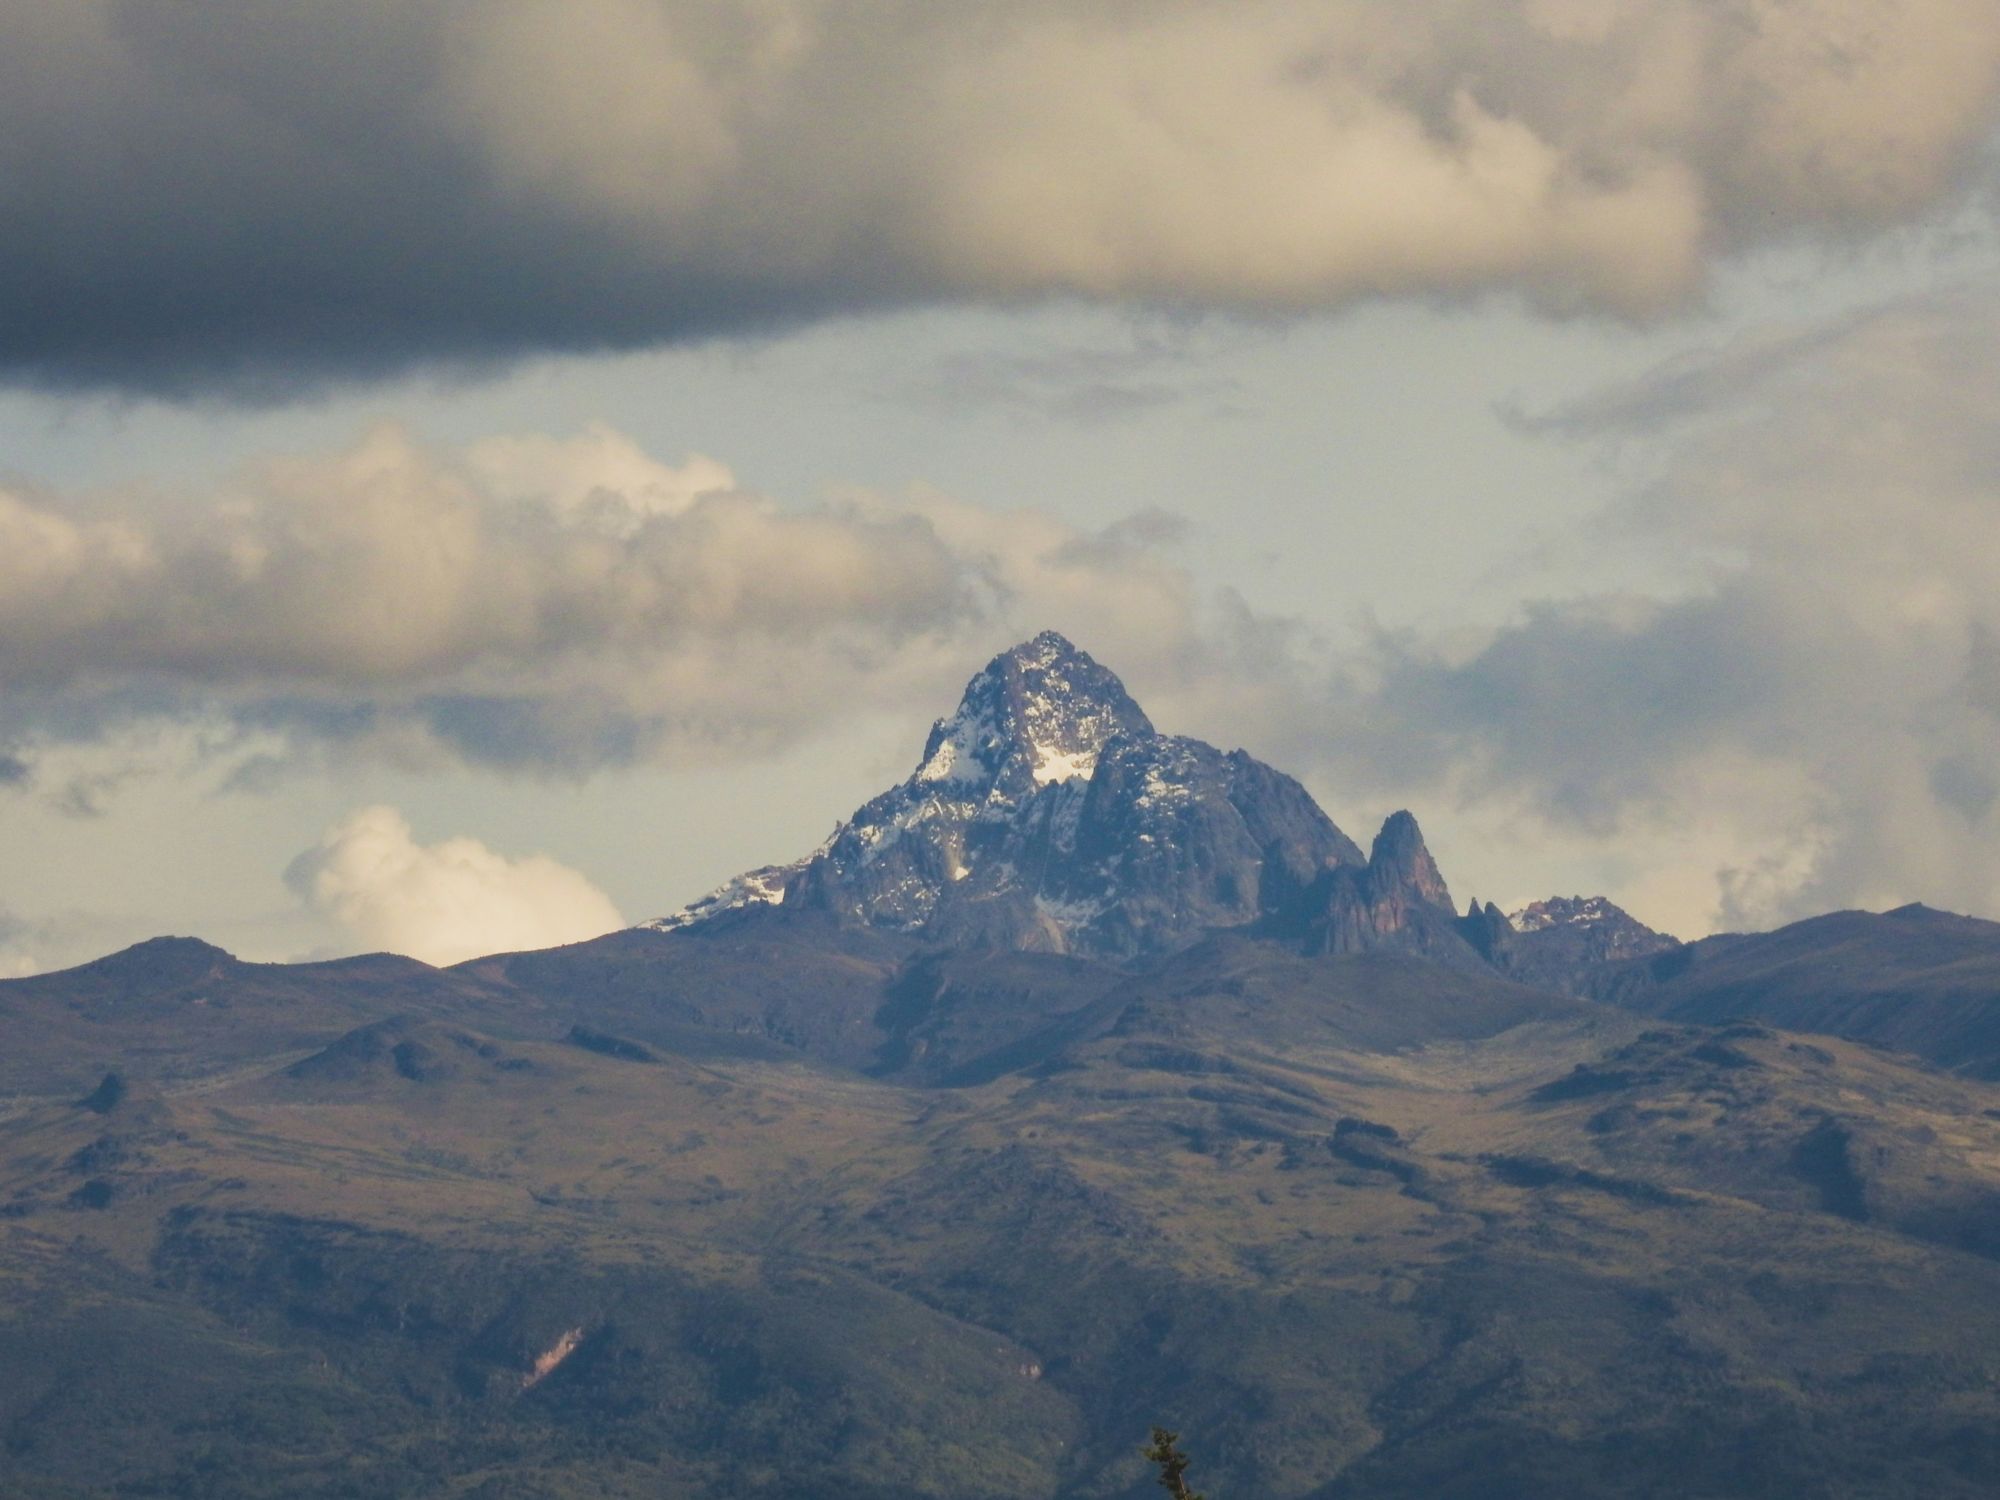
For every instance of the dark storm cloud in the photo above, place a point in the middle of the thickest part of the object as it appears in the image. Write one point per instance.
(240, 196)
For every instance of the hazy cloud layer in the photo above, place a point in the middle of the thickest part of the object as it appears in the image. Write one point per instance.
(1825, 701)
(241, 194)
(444, 902)
(17, 947)
(553, 605)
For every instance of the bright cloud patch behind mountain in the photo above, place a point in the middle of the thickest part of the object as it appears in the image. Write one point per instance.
(443, 902)
(242, 195)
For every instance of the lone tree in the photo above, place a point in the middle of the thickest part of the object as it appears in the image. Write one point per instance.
(1173, 1464)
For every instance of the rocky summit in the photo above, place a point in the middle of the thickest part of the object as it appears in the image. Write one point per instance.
(1590, 927)
(1046, 813)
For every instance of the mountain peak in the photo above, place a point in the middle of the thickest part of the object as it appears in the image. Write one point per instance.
(1397, 900)
(1399, 859)
(1550, 942)
(176, 959)
(1037, 713)
(1579, 913)
(1046, 812)
(1044, 647)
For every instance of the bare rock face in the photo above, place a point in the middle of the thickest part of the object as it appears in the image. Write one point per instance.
(1175, 837)
(1047, 813)
(1397, 900)
(1555, 943)
(1487, 929)
(1591, 929)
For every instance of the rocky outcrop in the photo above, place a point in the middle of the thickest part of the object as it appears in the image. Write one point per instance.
(1553, 943)
(1489, 932)
(1175, 838)
(1398, 899)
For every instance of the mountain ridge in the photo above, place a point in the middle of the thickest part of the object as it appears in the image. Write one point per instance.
(1046, 812)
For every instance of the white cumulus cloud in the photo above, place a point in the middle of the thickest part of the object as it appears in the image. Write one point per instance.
(443, 902)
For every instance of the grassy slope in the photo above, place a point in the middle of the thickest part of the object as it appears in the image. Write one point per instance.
(178, 1010)
(1365, 1229)
(1913, 980)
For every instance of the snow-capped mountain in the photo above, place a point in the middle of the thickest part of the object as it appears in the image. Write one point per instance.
(1554, 943)
(1591, 923)
(763, 886)
(1046, 812)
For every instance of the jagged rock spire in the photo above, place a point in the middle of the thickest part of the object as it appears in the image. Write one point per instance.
(1397, 900)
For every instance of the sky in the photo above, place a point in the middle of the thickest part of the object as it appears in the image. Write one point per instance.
(473, 475)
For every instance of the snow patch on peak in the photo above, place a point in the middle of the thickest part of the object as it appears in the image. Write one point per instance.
(1034, 716)
(1062, 765)
(1588, 929)
(764, 886)
(1160, 792)
(962, 747)
(1172, 767)
(1069, 914)
(875, 838)
(1563, 911)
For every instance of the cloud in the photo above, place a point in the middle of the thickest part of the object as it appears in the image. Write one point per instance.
(600, 469)
(1822, 699)
(535, 603)
(1072, 382)
(444, 902)
(231, 196)
(17, 947)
